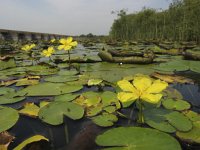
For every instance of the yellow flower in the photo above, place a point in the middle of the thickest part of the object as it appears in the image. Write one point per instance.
(142, 88)
(67, 44)
(28, 47)
(53, 40)
(48, 52)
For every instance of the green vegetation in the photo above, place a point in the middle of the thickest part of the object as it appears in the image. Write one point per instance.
(180, 22)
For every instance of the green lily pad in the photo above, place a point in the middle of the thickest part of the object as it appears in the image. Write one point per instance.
(93, 111)
(61, 79)
(105, 120)
(7, 64)
(173, 66)
(172, 93)
(136, 138)
(54, 112)
(6, 90)
(50, 89)
(8, 118)
(67, 72)
(32, 139)
(66, 97)
(167, 120)
(192, 136)
(176, 104)
(94, 82)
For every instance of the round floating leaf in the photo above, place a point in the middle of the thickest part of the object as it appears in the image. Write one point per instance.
(193, 116)
(94, 82)
(61, 79)
(136, 138)
(93, 111)
(66, 97)
(167, 120)
(192, 135)
(30, 109)
(176, 104)
(173, 66)
(70, 88)
(194, 66)
(54, 112)
(43, 89)
(6, 90)
(32, 139)
(67, 72)
(105, 120)
(8, 118)
(9, 99)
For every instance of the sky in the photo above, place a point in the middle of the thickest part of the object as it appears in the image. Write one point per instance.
(68, 17)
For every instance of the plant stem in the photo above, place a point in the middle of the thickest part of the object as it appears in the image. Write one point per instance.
(69, 60)
(140, 115)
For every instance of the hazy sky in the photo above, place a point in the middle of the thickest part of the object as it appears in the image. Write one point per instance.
(71, 17)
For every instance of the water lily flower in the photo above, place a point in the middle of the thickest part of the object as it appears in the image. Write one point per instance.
(48, 52)
(67, 44)
(28, 47)
(53, 40)
(142, 88)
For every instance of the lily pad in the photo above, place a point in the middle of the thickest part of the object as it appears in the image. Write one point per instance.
(11, 97)
(94, 82)
(61, 79)
(8, 118)
(30, 109)
(105, 120)
(167, 120)
(137, 138)
(7, 64)
(54, 112)
(30, 140)
(176, 104)
(67, 72)
(66, 97)
(50, 89)
(6, 90)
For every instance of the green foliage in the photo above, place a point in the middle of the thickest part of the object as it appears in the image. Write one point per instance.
(136, 138)
(180, 22)
(8, 118)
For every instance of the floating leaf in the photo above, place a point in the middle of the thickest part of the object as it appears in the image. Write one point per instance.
(136, 138)
(54, 112)
(176, 104)
(167, 120)
(50, 89)
(10, 98)
(94, 82)
(7, 64)
(61, 79)
(43, 103)
(32, 139)
(8, 118)
(93, 111)
(30, 109)
(67, 72)
(66, 97)
(26, 81)
(105, 120)
(6, 90)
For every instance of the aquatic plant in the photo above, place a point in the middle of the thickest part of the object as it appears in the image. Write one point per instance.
(28, 47)
(143, 88)
(67, 45)
(48, 52)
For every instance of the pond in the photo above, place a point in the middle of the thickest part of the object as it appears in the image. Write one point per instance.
(71, 99)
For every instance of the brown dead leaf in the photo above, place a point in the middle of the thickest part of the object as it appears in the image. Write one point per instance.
(5, 140)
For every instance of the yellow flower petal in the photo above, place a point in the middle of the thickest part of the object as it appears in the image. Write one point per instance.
(51, 49)
(125, 85)
(157, 87)
(126, 97)
(32, 45)
(63, 41)
(73, 43)
(68, 47)
(61, 47)
(151, 98)
(142, 83)
(69, 40)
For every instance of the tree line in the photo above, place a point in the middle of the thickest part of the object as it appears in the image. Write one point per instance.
(180, 22)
